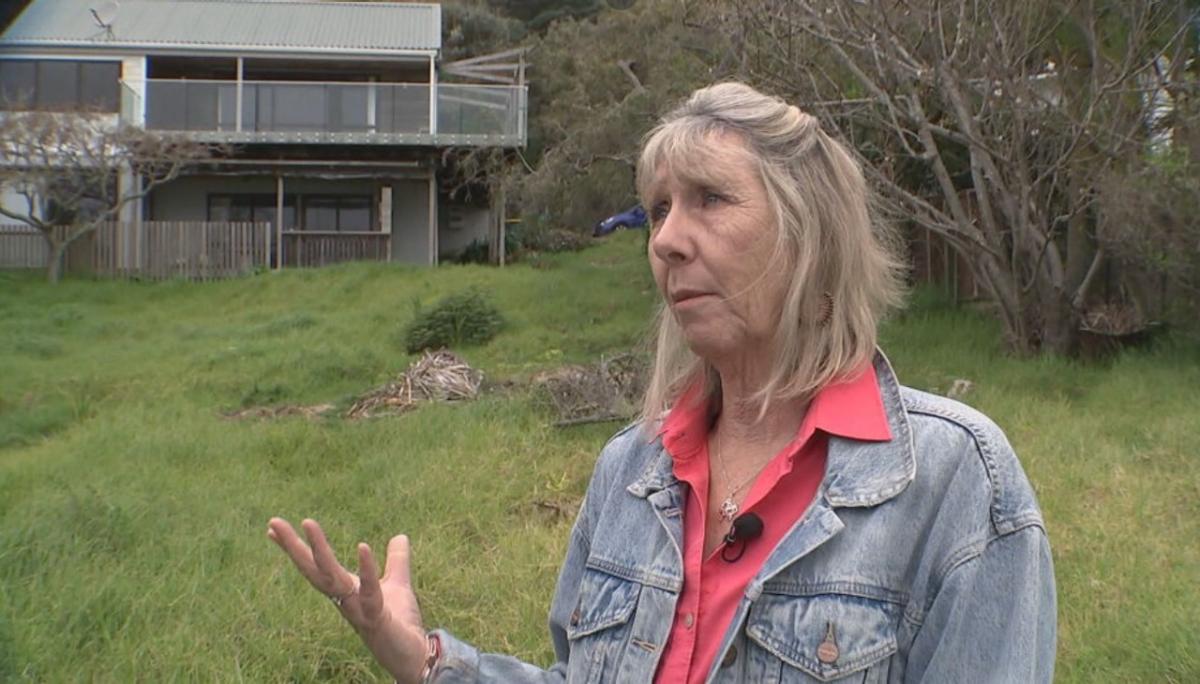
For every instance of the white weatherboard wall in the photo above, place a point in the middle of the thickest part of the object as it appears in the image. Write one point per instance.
(410, 221)
(459, 225)
(133, 73)
(13, 201)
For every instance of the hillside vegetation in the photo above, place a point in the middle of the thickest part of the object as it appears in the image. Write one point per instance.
(132, 512)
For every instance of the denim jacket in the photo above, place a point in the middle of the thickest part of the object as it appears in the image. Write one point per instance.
(921, 559)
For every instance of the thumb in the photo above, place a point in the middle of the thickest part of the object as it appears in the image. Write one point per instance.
(399, 553)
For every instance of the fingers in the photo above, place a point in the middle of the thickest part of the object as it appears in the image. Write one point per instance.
(281, 532)
(398, 561)
(337, 580)
(316, 562)
(370, 594)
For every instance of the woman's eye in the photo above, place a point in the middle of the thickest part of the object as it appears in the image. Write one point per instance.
(658, 212)
(711, 197)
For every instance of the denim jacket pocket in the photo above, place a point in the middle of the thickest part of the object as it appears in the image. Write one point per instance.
(597, 629)
(825, 637)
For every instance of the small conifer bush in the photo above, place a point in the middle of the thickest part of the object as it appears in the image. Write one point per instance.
(463, 318)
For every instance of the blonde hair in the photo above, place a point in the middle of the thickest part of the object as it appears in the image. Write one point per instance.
(844, 271)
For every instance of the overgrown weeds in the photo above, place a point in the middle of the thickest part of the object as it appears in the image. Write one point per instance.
(132, 513)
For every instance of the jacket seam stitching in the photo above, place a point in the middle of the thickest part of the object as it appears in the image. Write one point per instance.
(965, 554)
(983, 448)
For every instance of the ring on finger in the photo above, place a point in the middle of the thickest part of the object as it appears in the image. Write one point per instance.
(338, 600)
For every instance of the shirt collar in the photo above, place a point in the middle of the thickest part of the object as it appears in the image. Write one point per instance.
(852, 409)
(860, 472)
(685, 430)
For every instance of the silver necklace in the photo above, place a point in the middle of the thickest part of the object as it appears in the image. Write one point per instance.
(729, 507)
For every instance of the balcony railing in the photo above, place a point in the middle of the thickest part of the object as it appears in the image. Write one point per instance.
(316, 112)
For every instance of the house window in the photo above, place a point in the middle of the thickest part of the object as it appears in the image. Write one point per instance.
(341, 213)
(258, 208)
(60, 85)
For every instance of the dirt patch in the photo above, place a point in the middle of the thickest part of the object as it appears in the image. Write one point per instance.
(268, 412)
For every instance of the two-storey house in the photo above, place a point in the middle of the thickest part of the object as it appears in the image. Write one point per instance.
(335, 115)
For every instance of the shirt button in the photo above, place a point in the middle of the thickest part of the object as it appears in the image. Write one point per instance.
(730, 657)
(689, 620)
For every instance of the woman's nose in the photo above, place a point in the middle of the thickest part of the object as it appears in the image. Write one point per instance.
(671, 242)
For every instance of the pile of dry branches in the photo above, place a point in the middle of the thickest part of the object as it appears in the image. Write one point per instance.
(436, 376)
(608, 390)
(1113, 319)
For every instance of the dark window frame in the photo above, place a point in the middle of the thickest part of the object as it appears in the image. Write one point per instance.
(338, 200)
(110, 104)
(255, 201)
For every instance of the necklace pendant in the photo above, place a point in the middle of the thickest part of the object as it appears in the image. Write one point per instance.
(729, 510)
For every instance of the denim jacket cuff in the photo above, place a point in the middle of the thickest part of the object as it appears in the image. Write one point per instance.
(459, 661)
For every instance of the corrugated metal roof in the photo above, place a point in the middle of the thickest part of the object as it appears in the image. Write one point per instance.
(283, 25)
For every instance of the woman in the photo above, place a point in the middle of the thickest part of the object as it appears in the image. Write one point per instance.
(784, 511)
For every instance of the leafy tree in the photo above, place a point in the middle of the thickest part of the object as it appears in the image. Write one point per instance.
(470, 30)
(539, 14)
(596, 86)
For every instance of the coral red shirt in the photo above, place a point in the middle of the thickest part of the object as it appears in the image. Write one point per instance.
(780, 495)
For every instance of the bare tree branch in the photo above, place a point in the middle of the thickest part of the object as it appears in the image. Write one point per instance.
(1002, 101)
(67, 168)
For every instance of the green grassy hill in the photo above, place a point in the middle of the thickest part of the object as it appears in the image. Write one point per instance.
(133, 514)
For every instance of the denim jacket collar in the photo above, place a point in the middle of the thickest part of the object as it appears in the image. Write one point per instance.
(869, 473)
(857, 473)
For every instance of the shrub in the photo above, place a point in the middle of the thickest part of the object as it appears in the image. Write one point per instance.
(554, 240)
(1149, 221)
(463, 318)
(474, 253)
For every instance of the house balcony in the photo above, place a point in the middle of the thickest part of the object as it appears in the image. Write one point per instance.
(315, 112)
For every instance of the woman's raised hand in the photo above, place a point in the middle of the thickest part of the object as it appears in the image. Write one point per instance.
(383, 610)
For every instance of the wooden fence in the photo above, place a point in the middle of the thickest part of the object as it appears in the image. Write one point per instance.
(195, 250)
(155, 250)
(932, 261)
(22, 247)
(322, 248)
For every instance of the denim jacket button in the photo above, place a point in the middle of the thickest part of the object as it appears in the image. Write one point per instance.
(730, 657)
(575, 618)
(828, 651)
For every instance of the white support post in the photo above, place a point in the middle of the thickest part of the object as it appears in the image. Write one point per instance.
(385, 216)
(433, 218)
(496, 227)
(433, 97)
(503, 201)
(522, 101)
(372, 103)
(278, 222)
(240, 74)
(133, 76)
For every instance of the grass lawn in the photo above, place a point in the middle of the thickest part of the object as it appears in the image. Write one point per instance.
(133, 515)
